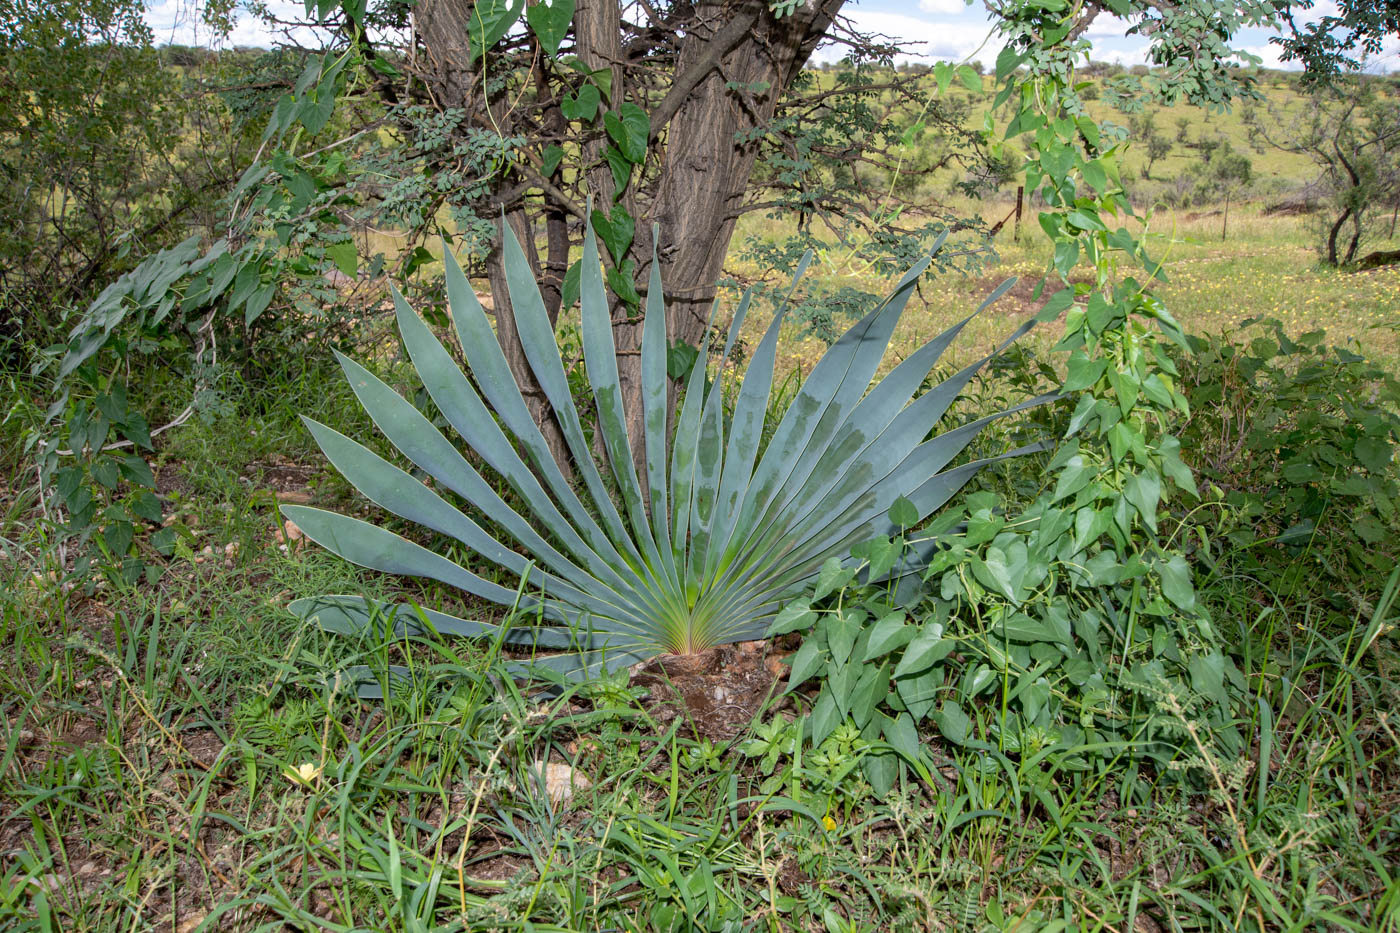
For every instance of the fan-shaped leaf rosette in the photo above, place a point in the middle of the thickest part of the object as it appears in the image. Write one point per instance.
(705, 551)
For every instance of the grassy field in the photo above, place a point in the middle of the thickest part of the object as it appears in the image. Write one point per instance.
(1265, 268)
(183, 755)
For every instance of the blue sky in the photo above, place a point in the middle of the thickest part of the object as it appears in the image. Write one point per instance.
(952, 30)
(935, 30)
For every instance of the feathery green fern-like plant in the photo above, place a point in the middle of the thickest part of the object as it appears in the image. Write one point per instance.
(705, 551)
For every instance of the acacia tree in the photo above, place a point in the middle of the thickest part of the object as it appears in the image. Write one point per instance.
(657, 114)
(1339, 41)
(653, 105)
(1352, 135)
(1226, 174)
(104, 156)
(661, 113)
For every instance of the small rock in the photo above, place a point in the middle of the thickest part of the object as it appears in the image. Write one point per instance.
(289, 536)
(190, 923)
(560, 780)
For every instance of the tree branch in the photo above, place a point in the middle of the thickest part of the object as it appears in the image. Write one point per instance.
(719, 45)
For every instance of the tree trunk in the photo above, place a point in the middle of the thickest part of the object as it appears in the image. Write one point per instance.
(705, 173)
(1354, 205)
(736, 59)
(1355, 241)
(1332, 235)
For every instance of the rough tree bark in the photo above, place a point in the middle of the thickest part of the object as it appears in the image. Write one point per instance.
(731, 62)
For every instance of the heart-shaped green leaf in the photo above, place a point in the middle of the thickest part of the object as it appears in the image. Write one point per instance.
(793, 617)
(616, 231)
(806, 661)
(550, 23)
(550, 159)
(621, 169)
(581, 105)
(925, 650)
(889, 633)
(488, 22)
(630, 129)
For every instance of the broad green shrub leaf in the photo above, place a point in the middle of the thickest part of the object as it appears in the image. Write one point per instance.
(806, 661)
(581, 105)
(869, 692)
(881, 771)
(629, 128)
(925, 650)
(550, 22)
(954, 724)
(344, 256)
(620, 167)
(825, 718)
(616, 231)
(920, 692)
(903, 736)
(792, 618)
(842, 630)
(904, 513)
(889, 633)
(833, 576)
(1144, 491)
(1176, 582)
(550, 159)
(488, 23)
(709, 542)
(1373, 453)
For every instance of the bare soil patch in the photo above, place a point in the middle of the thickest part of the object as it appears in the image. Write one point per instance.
(718, 691)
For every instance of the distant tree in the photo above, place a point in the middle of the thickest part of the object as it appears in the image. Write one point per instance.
(1352, 135)
(1183, 129)
(1144, 128)
(104, 155)
(1339, 41)
(1158, 147)
(1227, 174)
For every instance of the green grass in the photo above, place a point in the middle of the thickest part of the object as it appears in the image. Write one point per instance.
(1266, 267)
(151, 738)
(181, 756)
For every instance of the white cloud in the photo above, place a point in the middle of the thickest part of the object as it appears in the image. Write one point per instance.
(1270, 56)
(1128, 57)
(943, 7)
(1107, 26)
(178, 22)
(926, 40)
(1320, 9)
